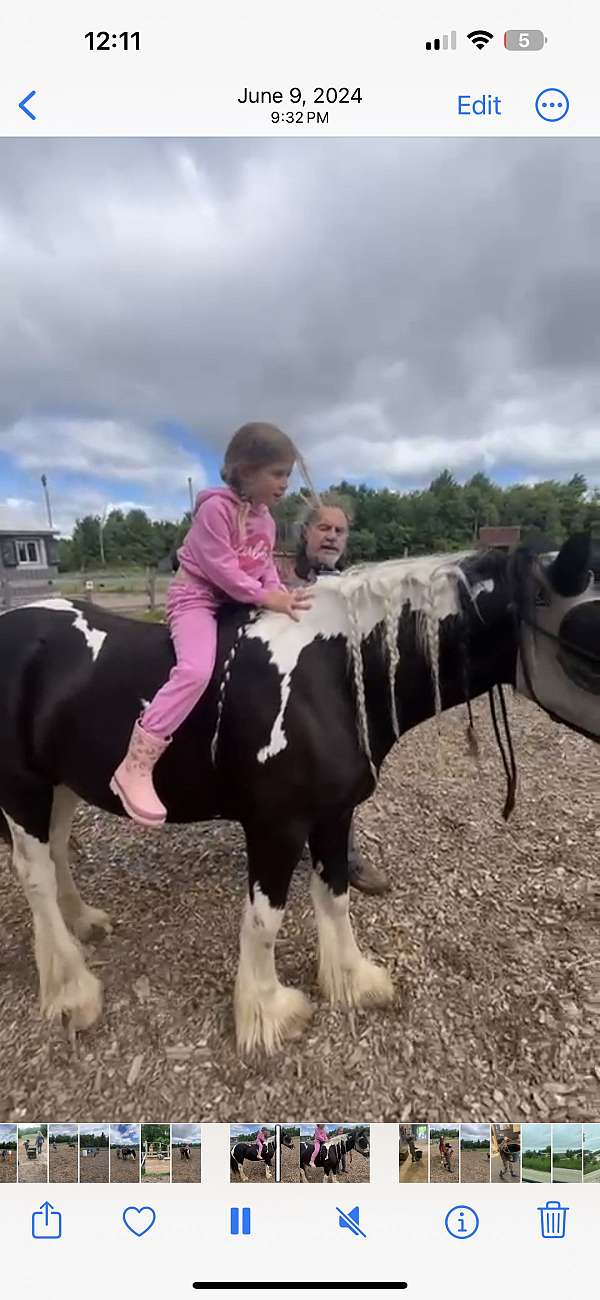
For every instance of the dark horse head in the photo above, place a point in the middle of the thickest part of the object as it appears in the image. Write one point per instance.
(288, 739)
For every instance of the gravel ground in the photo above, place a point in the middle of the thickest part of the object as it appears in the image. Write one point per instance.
(32, 1171)
(124, 1171)
(8, 1171)
(490, 932)
(62, 1164)
(290, 1163)
(474, 1167)
(186, 1171)
(94, 1169)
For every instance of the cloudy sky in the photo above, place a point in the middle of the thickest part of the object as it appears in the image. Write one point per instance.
(566, 1137)
(397, 305)
(536, 1137)
(124, 1135)
(186, 1132)
(591, 1137)
(475, 1132)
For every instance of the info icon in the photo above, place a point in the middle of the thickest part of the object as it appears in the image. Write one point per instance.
(462, 1222)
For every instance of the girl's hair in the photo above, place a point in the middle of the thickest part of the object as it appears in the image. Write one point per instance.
(253, 447)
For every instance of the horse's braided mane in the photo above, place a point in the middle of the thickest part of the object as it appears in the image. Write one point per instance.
(392, 584)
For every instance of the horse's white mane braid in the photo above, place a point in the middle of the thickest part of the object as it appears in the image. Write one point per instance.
(391, 583)
(431, 595)
(359, 678)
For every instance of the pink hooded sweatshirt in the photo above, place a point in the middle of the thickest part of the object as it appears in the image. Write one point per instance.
(229, 548)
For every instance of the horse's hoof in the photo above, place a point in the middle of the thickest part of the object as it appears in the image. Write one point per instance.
(78, 1003)
(91, 920)
(267, 1024)
(364, 984)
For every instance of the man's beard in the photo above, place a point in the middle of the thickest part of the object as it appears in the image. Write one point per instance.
(327, 559)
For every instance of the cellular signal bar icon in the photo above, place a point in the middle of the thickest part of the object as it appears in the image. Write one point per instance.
(442, 42)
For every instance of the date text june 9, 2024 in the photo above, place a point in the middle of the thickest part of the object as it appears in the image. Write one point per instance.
(297, 97)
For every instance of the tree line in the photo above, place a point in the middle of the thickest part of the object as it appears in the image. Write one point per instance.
(446, 516)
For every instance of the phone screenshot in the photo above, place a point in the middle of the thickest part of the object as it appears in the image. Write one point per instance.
(299, 649)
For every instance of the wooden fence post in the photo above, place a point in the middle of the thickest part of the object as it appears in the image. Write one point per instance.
(151, 587)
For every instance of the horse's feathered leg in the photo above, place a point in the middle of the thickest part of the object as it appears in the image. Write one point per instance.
(80, 918)
(67, 988)
(345, 976)
(266, 1012)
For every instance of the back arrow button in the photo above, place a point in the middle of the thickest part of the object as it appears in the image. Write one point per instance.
(24, 102)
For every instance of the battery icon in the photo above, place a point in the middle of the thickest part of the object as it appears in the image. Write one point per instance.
(528, 39)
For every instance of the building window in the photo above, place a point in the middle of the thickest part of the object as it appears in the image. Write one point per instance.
(29, 553)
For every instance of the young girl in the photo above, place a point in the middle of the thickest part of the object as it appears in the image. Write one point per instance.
(227, 554)
(261, 1138)
(319, 1136)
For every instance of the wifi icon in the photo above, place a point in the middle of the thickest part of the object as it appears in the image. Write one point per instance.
(480, 38)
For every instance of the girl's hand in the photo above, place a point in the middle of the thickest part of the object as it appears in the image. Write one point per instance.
(288, 602)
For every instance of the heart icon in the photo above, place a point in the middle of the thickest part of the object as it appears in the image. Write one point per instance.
(139, 1219)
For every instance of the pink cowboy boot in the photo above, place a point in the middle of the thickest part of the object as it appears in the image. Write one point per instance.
(132, 781)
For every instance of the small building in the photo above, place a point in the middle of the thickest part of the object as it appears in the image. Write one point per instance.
(500, 539)
(28, 559)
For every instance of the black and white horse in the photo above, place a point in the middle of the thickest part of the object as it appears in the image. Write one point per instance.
(126, 1153)
(288, 740)
(333, 1155)
(249, 1151)
(185, 1152)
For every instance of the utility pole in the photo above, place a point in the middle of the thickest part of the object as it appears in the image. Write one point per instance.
(103, 520)
(191, 492)
(47, 499)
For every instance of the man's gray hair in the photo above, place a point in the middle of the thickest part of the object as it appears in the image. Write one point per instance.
(310, 511)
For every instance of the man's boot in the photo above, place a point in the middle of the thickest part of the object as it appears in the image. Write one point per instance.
(362, 874)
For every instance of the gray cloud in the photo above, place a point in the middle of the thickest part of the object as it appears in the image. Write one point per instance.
(399, 305)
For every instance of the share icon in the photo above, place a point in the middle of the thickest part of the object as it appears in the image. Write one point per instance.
(350, 1220)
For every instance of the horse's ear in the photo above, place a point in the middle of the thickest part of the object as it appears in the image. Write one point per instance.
(569, 572)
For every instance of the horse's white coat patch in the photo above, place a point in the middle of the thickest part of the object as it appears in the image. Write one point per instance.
(429, 584)
(94, 638)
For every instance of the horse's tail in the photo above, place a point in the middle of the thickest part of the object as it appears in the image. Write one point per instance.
(235, 1168)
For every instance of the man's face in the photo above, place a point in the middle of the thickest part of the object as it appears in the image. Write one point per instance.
(327, 537)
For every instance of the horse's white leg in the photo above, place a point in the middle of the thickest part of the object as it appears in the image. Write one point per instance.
(67, 987)
(243, 1178)
(266, 1012)
(344, 974)
(79, 916)
(303, 1178)
(267, 1171)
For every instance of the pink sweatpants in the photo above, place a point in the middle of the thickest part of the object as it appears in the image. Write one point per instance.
(192, 618)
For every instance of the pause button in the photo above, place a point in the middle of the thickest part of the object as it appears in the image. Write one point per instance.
(235, 1221)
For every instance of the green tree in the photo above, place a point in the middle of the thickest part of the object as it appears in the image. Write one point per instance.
(86, 542)
(481, 500)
